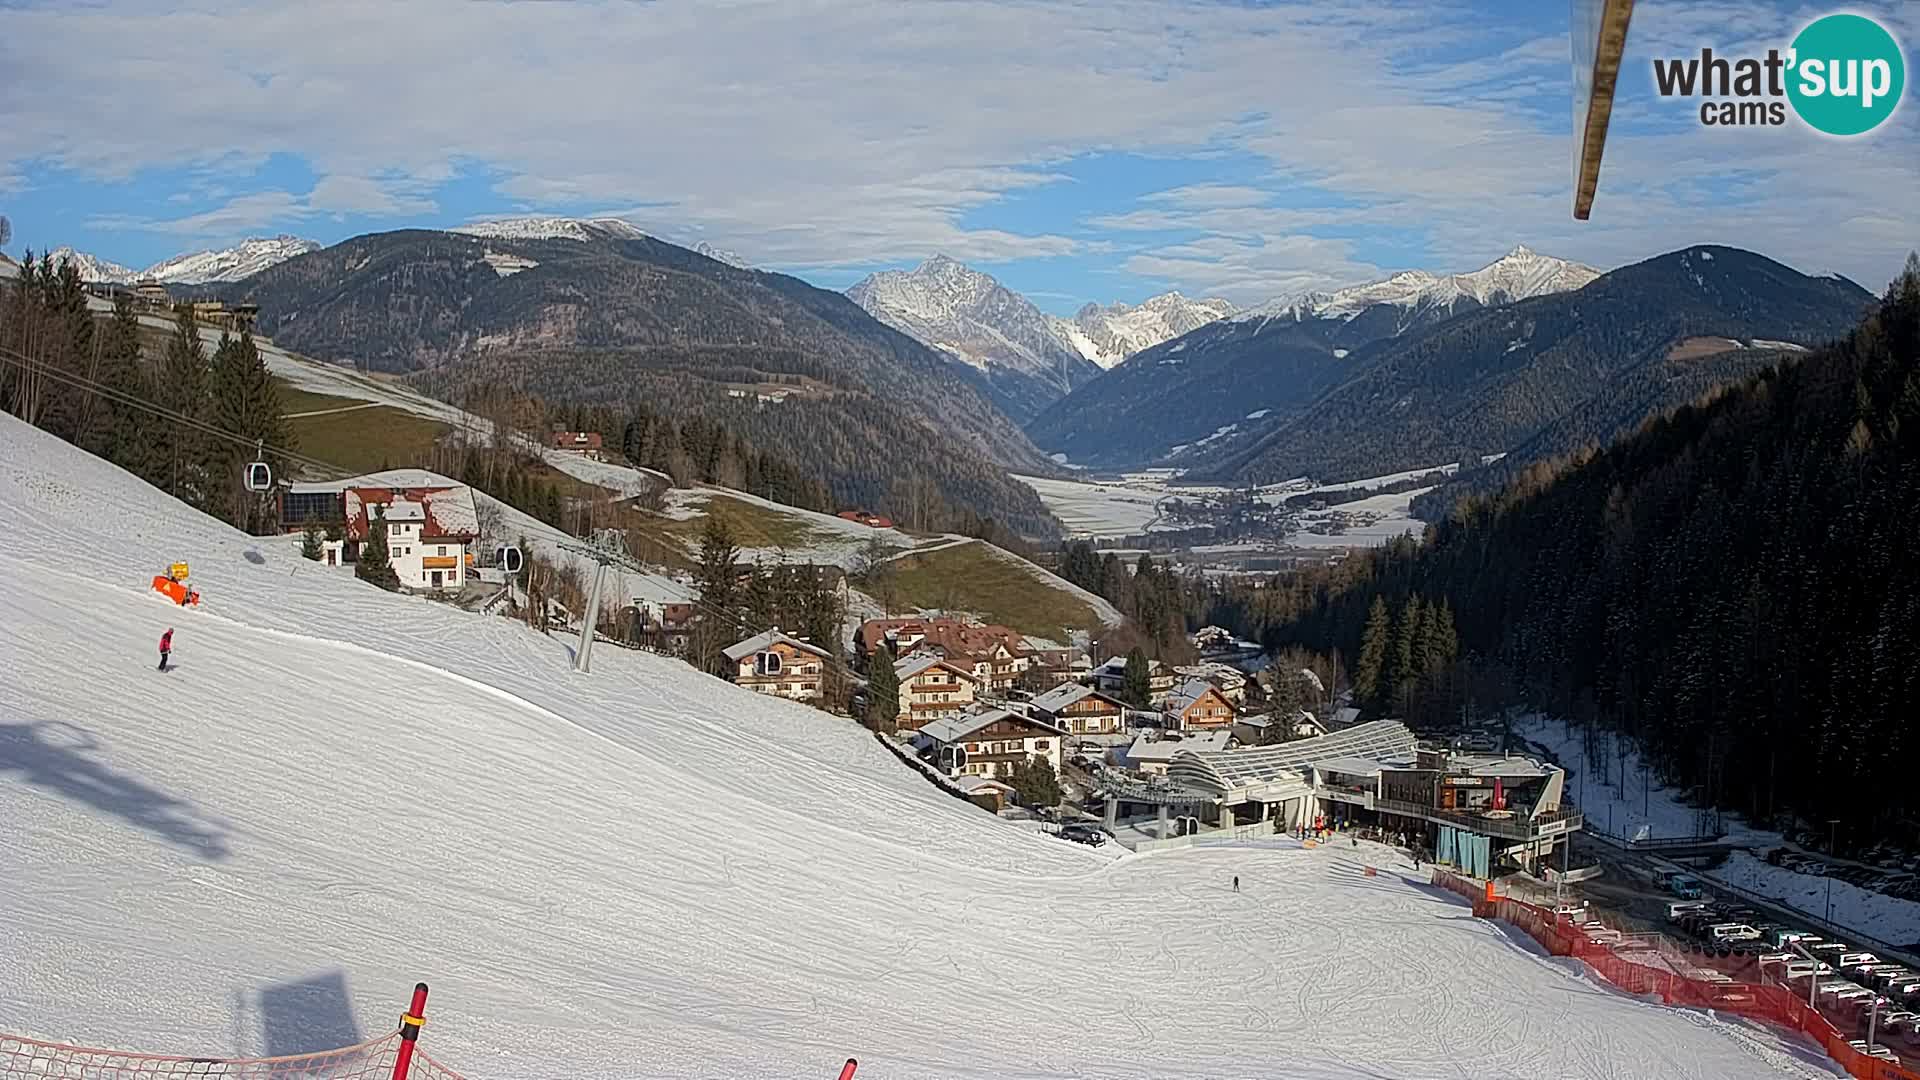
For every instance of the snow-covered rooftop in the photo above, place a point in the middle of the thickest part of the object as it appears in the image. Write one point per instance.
(766, 640)
(1147, 748)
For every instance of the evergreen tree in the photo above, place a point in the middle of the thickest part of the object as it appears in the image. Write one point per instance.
(129, 434)
(761, 605)
(1370, 675)
(246, 403)
(1138, 689)
(311, 541)
(715, 579)
(375, 565)
(883, 692)
(180, 449)
(1035, 784)
(1402, 656)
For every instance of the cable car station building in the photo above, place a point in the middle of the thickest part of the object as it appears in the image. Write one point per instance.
(1476, 811)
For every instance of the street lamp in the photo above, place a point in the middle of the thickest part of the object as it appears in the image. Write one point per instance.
(1833, 825)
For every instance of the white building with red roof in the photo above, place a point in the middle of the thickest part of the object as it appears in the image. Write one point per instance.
(431, 524)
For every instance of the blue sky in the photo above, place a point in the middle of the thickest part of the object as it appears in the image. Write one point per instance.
(1078, 151)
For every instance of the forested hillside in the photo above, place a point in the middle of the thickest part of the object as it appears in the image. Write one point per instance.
(1622, 404)
(1485, 382)
(795, 370)
(1738, 584)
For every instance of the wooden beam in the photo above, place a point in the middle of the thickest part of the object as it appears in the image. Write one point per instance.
(1612, 43)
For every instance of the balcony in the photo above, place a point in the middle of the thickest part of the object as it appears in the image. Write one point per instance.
(1508, 825)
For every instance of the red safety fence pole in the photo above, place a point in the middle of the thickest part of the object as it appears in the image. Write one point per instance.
(410, 1022)
(846, 1071)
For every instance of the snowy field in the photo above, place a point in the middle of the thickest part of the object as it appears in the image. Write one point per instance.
(1097, 510)
(644, 872)
(1127, 507)
(1886, 918)
(831, 540)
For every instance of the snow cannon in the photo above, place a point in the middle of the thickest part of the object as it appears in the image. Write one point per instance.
(173, 585)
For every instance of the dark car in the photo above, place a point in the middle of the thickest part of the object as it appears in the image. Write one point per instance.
(1083, 834)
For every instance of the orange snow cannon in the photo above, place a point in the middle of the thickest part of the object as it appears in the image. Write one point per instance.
(173, 586)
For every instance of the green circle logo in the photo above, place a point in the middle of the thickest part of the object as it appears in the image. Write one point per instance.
(1847, 74)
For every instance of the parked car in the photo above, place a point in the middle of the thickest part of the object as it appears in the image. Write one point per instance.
(1680, 908)
(1083, 834)
(1685, 886)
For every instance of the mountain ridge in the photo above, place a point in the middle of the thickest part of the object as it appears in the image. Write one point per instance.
(1008, 345)
(611, 320)
(1487, 380)
(1214, 386)
(248, 257)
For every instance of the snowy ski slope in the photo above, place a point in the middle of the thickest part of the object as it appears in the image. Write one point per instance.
(642, 872)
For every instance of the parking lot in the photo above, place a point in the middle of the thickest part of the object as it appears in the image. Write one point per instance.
(1723, 938)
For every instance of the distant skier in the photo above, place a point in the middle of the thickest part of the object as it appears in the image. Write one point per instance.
(1236, 883)
(166, 647)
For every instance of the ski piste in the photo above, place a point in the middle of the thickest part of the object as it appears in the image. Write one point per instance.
(644, 871)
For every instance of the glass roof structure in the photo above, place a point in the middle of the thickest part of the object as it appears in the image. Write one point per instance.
(1224, 771)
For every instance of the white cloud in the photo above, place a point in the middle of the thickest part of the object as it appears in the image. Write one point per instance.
(822, 133)
(362, 195)
(243, 214)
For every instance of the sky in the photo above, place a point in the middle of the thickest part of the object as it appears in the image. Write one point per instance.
(1097, 151)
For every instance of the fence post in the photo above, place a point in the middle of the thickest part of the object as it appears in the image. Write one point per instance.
(846, 1071)
(410, 1022)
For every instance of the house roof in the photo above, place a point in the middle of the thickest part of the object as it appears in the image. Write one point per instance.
(1187, 693)
(444, 513)
(763, 641)
(949, 729)
(918, 663)
(1226, 674)
(971, 784)
(961, 640)
(1062, 696)
(1117, 665)
(1071, 693)
(1518, 768)
(1147, 749)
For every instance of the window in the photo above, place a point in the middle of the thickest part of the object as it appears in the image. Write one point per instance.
(810, 686)
(769, 663)
(1040, 745)
(443, 549)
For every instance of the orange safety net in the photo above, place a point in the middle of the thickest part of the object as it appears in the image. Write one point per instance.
(1655, 964)
(372, 1060)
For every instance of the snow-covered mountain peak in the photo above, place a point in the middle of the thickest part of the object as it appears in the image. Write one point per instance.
(1108, 335)
(973, 318)
(93, 269)
(1518, 275)
(721, 255)
(249, 257)
(552, 228)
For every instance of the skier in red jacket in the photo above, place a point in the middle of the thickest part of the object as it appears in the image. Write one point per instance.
(166, 647)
